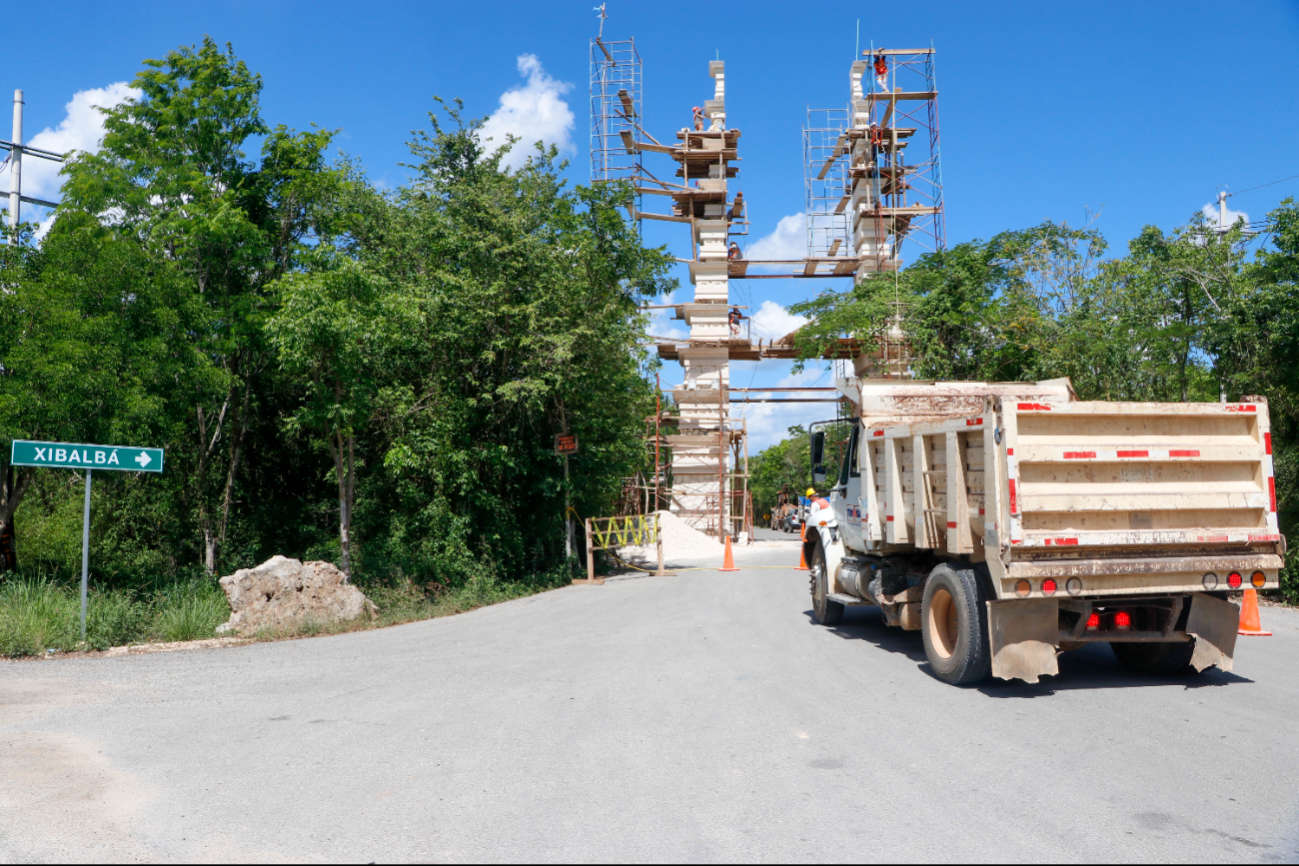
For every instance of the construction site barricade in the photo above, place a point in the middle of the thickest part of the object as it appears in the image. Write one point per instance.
(609, 533)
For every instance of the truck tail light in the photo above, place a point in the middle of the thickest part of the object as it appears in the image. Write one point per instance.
(1048, 587)
(1122, 621)
(1258, 578)
(1233, 580)
(1093, 621)
(1210, 581)
(1073, 585)
(1023, 588)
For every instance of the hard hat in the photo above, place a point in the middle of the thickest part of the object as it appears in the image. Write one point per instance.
(811, 491)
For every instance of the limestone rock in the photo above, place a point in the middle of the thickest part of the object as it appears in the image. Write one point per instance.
(283, 592)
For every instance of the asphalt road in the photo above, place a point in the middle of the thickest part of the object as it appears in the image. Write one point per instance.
(701, 717)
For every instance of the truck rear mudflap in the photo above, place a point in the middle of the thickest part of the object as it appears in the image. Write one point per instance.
(1027, 635)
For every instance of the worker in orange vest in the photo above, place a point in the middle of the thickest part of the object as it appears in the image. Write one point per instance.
(881, 72)
(815, 504)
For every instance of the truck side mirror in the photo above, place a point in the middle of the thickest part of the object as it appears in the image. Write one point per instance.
(818, 449)
(818, 475)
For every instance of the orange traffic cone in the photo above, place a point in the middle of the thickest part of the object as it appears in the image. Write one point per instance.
(728, 561)
(802, 563)
(1249, 622)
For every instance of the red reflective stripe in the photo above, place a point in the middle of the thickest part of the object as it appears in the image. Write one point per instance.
(1247, 407)
(973, 422)
(1271, 491)
(1134, 453)
(980, 510)
(878, 433)
(1265, 538)
(1014, 507)
(1010, 451)
(889, 518)
(1034, 407)
(1267, 442)
(1059, 541)
(1183, 453)
(1079, 455)
(951, 524)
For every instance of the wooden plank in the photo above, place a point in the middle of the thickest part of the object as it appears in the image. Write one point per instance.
(1075, 502)
(959, 539)
(661, 217)
(625, 97)
(1165, 449)
(895, 514)
(925, 536)
(834, 247)
(627, 141)
(869, 463)
(809, 269)
(843, 203)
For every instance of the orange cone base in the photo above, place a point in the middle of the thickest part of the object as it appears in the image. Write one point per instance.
(802, 563)
(1249, 622)
(728, 561)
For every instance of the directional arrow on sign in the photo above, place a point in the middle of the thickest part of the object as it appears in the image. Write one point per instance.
(143, 459)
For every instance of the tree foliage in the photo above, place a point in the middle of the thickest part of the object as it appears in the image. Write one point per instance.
(334, 371)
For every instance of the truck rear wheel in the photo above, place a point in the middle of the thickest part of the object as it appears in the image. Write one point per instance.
(954, 625)
(1155, 659)
(826, 611)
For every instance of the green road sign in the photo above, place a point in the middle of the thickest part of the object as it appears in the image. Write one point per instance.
(64, 455)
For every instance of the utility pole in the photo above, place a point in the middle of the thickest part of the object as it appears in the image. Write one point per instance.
(16, 169)
(16, 150)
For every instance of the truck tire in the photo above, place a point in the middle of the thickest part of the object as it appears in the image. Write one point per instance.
(827, 612)
(954, 625)
(1155, 659)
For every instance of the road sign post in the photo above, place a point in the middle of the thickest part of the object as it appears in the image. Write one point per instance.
(67, 455)
(566, 444)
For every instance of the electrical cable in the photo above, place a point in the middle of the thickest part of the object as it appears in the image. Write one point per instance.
(1260, 186)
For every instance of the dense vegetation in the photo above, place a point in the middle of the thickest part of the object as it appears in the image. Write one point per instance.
(1189, 315)
(336, 372)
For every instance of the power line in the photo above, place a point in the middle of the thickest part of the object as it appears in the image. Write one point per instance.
(1260, 186)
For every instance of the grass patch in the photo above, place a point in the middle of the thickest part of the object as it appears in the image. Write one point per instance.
(40, 613)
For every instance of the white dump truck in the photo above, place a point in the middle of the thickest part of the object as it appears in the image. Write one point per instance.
(1010, 522)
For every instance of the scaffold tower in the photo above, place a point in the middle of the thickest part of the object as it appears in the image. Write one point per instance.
(616, 109)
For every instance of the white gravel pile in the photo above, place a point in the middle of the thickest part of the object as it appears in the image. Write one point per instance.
(680, 541)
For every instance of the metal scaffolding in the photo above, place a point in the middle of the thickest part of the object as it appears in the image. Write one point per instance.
(616, 110)
(825, 180)
(902, 162)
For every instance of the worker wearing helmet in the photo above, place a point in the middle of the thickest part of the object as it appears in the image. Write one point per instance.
(698, 118)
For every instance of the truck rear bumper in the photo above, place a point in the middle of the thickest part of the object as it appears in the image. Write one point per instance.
(1101, 577)
(1025, 636)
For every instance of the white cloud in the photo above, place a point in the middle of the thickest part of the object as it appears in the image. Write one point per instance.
(773, 321)
(82, 128)
(788, 241)
(1211, 214)
(533, 112)
(662, 323)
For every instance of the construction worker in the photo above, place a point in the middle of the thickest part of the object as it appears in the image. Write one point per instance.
(733, 253)
(815, 503)
(734, 319)
(881, 72)
(737, 207)
(699, 119)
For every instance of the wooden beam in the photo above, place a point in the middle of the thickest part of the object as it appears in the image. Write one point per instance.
(627, 103)
(627, 141)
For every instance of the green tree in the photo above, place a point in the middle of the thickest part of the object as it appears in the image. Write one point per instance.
(172, 175)
(525, 297)
(93, 341)
(340, 333)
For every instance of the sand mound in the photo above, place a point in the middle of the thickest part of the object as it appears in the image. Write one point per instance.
(680, 541)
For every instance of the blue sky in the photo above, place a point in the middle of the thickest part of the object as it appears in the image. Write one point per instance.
(1138, 110)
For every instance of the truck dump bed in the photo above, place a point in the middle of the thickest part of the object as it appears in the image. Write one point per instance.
(1105, 498)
